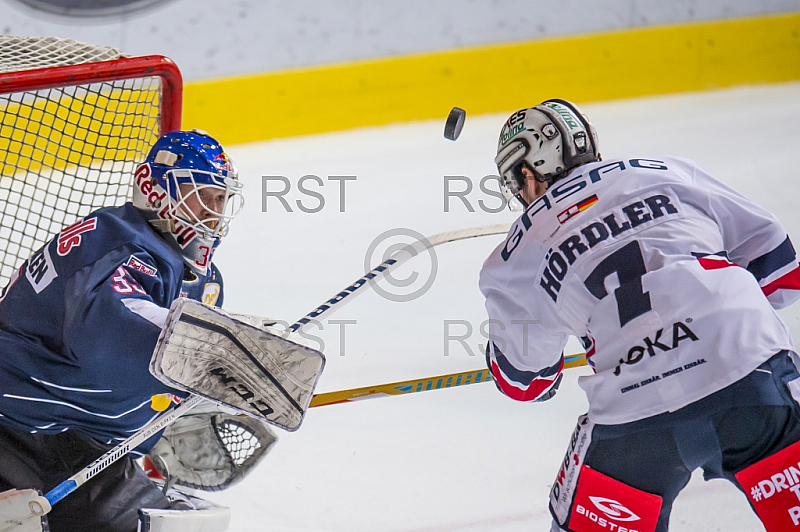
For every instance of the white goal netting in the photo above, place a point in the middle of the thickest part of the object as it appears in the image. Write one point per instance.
(74, 121)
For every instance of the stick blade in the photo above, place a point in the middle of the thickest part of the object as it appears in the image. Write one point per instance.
(454, 123)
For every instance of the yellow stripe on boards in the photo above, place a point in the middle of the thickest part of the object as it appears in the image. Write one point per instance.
(497, 78)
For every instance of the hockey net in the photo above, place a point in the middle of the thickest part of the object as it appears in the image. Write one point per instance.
(74, 121)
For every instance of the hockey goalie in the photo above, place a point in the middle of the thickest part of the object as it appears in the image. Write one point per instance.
(112, 323)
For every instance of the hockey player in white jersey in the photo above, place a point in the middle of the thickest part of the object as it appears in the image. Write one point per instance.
(671, 279)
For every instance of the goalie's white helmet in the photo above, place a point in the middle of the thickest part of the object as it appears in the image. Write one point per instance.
(550, 139)
(189, 189)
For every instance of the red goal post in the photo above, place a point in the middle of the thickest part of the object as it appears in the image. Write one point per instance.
(75, 119)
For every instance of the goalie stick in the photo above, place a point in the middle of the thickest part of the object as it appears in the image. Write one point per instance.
(81, 477)
(395, 259)
(322, 399)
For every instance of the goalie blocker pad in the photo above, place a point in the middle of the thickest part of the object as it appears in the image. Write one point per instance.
(205, 351)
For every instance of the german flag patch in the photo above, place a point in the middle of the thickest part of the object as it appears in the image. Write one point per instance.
(579, 207)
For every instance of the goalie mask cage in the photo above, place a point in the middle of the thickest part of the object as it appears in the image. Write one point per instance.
(75, 119)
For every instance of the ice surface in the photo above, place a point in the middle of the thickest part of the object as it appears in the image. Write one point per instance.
(464, 459)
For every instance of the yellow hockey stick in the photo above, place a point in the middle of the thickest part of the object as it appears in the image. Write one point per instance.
(421, 385)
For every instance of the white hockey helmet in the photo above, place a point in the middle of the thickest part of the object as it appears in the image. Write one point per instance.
(551, 139)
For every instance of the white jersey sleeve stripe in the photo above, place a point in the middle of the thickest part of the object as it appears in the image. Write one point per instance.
(148, 310)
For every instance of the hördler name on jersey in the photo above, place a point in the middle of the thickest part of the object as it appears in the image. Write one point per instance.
(634, 215)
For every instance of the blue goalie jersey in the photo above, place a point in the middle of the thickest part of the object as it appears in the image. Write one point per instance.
(79, 322)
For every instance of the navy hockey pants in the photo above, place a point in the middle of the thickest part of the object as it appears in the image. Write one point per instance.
(721, 434)
(109, 502)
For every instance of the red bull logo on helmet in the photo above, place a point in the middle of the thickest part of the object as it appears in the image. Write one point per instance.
(223, 162)
(145, 185)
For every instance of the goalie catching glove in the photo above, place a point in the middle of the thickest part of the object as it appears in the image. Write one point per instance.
(209, 449)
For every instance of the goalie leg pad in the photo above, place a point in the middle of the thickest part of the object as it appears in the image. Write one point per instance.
(188, 514)
(108, 502)
(23, 511)
(207, 352)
